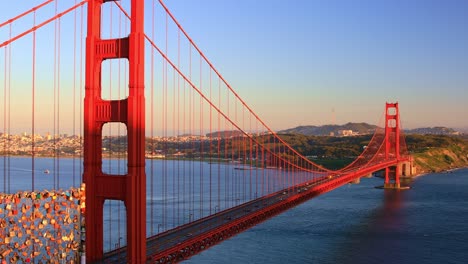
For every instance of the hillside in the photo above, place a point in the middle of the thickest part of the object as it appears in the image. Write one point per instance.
(327, 130)
(432, 153)
(435, 153)
(362, 129)
(432, 130)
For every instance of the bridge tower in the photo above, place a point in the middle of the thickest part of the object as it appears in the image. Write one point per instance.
(131, 187)
(392, 142)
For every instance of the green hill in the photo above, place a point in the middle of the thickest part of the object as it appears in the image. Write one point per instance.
(432, 153)
(326, 130)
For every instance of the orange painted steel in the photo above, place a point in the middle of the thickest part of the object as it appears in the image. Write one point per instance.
(129, 188)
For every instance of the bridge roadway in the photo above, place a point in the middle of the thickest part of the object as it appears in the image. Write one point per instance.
(189, 239)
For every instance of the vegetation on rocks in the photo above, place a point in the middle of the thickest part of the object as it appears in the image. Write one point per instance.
(434, 153)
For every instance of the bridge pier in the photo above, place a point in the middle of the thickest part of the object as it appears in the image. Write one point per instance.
(394, 173)
(407, 169)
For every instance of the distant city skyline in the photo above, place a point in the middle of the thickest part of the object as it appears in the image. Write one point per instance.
(320, 62)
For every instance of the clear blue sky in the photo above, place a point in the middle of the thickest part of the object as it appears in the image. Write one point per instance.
(308, 57)
(294, 61)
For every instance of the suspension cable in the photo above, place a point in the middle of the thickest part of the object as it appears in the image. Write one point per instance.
(34, 9)
(55, 17)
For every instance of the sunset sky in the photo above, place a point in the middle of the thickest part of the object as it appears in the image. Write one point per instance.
(306, 62)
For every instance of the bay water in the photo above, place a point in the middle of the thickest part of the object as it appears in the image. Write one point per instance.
(352, 224)
(361, 224)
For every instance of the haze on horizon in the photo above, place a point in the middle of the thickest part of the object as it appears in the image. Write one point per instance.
(321, 62)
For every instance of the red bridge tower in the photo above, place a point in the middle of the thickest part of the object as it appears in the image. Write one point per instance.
(392, 142)
(129, 188)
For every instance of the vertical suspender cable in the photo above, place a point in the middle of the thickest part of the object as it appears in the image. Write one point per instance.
(258, 165)
(232, 142)
(55, 100)
(184, 131)
(162, 143)
(210, 144)
(264, 163)
(184, 170)
(173, 159)
(201, 145)
(242, 152)
(56, 77)
(250, 158)
(5, 153)
(236, 156)
(190, 129)
(81, 93)
(58, 100)
(226, 156)
(289, 169)
(286, 169)
(152, 130)
(244, 145)
(233, 153)
(230, 154)
(33, 132)
(74, 93)
(219, 147)
(191, 125)
(6, 117)
(165, 93)
(178, 127)
(274, 161)
(238, 148)
(9, 115)
(163, 168)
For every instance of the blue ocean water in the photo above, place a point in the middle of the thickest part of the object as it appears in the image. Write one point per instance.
(360, 224)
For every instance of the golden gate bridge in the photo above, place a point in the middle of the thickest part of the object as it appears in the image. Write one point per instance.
(149, 89)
